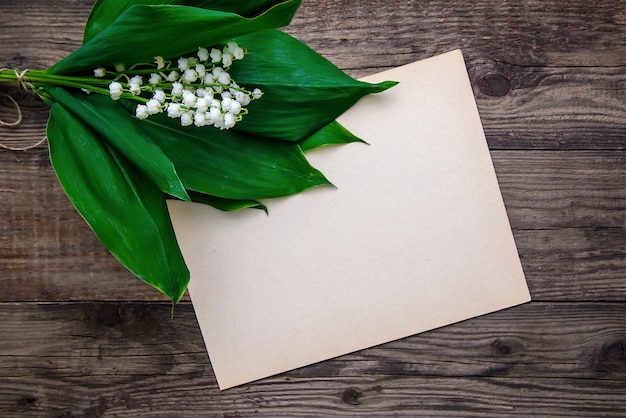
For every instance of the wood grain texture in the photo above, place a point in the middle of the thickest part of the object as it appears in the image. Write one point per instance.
(567, 210)
(81, 337)
(546, 75)
(102, 359)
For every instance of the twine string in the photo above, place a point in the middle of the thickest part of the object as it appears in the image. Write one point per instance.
(26, 86)
(19, 112)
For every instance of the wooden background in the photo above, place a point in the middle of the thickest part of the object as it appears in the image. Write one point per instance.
(81, 337)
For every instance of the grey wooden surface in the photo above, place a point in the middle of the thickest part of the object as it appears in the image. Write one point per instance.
(79, 336)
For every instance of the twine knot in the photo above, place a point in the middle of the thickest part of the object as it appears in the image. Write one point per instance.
(20, 79)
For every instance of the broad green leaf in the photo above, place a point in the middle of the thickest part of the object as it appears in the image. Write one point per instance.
(232, 165)
(142, 32)
(104, 12)
(302, 90)
(333, 133)
(226, 205)
(125, 210)
(122, 130)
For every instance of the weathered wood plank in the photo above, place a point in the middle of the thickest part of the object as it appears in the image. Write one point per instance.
(546, 75)
(549, 78)
(183, 396)
(529, 33)
(553, 190)
(568, 213)
(551, 108)
(122, 359)
(38, 33)
(574, 264)
(567, 210)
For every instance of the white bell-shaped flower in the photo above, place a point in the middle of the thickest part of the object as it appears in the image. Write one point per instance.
(159, 95)
(183, 64)
(229, 120)
(177, 89)
(235, 107)
(257, 93)
(224, 79)
(189, 99)
(115, 90)
(153, 106)
(199, 119)
(186, 118)
(216, 55)
(154, 79)
(173, 110)
(202, 105)
(227, 59)
(190, 76)
(200, 70)
(226, 103)
(203, 54)
(141, 111)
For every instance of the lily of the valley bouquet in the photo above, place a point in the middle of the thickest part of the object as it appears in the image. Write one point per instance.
(197, 100)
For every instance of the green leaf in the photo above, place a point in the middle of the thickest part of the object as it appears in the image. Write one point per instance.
(104, 12)
(333, 133)
(120, 129)
(226, 205)
(302, 90)
(125, 210)
(142, 32)
(231, 165)
(224, 164)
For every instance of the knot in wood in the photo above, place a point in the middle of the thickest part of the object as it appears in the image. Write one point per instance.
(612, 357)
(351, 396)
(494, 85)
(27, 401)
(501, 348)
(615, 352)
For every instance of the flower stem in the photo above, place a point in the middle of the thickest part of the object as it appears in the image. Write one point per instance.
(35, 79)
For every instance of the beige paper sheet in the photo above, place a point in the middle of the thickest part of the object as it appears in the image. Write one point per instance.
(414, 237)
